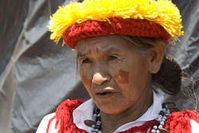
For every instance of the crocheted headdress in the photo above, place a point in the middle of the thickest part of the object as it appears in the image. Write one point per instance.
(142, 18)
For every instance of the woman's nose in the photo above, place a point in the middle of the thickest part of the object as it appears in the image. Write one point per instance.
(99, 79)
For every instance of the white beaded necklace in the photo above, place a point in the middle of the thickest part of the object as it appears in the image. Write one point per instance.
(96, 126)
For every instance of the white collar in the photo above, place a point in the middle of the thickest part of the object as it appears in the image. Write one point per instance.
(85, 112)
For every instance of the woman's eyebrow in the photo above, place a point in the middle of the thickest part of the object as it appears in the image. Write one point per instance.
(82, 53)
(112, 49)
(79, 54)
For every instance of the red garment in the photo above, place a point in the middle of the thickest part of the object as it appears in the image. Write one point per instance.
(177, 122)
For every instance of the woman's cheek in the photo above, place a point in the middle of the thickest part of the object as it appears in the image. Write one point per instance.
(86, 77)
(123, 77)
(119, 73)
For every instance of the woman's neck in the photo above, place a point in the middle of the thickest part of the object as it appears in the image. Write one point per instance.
(111, 122)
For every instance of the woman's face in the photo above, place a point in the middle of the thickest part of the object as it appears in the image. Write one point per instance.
(115, 73)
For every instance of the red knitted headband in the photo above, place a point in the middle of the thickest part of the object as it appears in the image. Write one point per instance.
(133, 27)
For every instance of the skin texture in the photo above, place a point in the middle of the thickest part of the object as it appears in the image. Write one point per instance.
(117, 76)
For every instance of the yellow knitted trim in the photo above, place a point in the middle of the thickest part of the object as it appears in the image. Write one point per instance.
(162, 12)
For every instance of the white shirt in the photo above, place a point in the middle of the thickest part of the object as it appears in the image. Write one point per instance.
(85, 111)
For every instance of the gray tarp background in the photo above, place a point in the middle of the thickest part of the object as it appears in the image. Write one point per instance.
(36, 75)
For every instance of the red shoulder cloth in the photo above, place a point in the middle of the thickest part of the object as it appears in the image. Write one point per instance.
(64, 118)
(179, 122)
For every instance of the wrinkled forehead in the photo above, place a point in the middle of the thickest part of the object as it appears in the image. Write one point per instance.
(116, 42)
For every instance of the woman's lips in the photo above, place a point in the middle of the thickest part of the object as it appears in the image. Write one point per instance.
(105, 92)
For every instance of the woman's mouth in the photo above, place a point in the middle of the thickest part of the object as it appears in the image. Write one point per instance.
(104, 93)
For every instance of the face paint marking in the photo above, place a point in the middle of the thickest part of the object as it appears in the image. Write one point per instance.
(123, 77)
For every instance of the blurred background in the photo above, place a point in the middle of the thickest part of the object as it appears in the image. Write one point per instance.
(36, 75)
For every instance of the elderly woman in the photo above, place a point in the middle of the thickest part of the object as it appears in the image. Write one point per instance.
(120, 48)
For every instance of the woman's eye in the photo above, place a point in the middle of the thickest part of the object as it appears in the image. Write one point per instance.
(112, 57)
(86, 60)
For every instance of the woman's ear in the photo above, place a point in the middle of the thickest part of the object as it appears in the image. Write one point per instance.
(156, 57)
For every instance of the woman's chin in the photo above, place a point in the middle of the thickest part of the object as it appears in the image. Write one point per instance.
(112, 108)
(110, 111)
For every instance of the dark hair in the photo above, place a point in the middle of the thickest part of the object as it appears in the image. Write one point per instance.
(169, 76)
